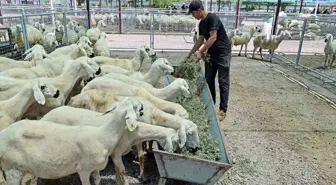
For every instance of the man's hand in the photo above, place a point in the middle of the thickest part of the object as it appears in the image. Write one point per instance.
(198, 55)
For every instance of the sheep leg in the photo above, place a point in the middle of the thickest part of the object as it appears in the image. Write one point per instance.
(325, 62)
(245, 50)
(254, 50)
(2, 178)
(332, 61)
(261, 54)
(84, 177)
(141, 157)
(120, 170)
(96, 176)
(241, 48)
(13, 177)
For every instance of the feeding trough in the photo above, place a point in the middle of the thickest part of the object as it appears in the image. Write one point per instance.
(193, 169)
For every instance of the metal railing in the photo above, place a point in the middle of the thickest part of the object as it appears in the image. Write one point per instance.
(164, 31)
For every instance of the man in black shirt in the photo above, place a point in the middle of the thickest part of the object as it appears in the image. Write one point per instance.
(218, 47)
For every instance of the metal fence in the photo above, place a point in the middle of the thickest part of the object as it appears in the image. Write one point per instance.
(311, 37)
(163, 30)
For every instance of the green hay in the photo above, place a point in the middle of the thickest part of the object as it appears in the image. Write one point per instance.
(191, 71)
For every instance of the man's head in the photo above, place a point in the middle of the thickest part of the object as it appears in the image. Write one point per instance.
(196, 9)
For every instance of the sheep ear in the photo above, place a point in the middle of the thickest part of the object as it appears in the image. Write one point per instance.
(38, 95)
(131, 121)
(88, 68)
(111, 108)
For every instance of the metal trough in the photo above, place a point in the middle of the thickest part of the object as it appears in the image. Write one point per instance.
(192, 169)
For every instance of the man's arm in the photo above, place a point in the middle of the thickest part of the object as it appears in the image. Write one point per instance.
(213, 27)
(197, 44)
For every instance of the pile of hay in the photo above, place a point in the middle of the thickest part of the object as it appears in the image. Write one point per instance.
(191, 71)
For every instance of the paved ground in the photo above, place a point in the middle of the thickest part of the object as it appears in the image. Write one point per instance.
(178, 42)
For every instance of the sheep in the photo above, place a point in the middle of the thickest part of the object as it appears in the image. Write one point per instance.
(101, 48)
(81, 31)
(84, 41)
(50, 42)
(94, 33)
(142, 53)
(124, 89)
(49, 67)
(179, 87)
(98, 100)
(270, 42)
(83, 154)
(72, 34)
(34, 35)
(243, 39)
(329, 50)
(128, 139)
(12, 109)
(7, 63)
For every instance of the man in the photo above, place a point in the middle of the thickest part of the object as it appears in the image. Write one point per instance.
(218, 47)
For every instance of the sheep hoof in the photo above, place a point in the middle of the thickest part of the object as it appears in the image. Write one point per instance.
(238, 54)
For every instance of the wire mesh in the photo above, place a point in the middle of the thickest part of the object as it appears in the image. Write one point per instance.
(316, 42)
(10, 36)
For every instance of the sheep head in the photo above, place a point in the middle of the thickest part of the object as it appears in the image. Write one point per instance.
(150, 52)
(84, 40)
(328, 37)
(131, 108)
(286, 32)
(164, 66)
(101, 24)
(91, 68)
(192, 142)
(184, 87)
(43, 90)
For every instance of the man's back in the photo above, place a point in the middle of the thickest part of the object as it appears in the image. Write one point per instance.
(222, 43)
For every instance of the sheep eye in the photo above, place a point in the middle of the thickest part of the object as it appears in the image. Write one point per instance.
(43, 86)
(147, 49)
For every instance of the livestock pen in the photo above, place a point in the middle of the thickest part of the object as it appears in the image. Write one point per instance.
(277, 130)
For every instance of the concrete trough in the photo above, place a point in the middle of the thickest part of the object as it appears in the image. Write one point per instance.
(192, 169)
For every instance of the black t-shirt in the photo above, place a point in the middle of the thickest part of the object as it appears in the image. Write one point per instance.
(222, 43)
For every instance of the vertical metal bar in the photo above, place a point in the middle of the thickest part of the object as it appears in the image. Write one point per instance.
(301, 2)
(24, 31)
(237, 13)
(119, 9)
(65, 29)
(88, 13)
(151, 27)
(275, 20)
(301, 42)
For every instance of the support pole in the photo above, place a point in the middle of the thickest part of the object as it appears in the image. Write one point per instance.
(275, 23)
(301, 2)
(301, 42)
(237, 13)
(88, 13)
(119, 9)
(210, 5)
(206, 5)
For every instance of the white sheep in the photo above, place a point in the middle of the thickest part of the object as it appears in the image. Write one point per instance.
(7, 63)
(160, 67)
(120, 88)
(141, 54)
(270, 42)
(101, 48)
(49, 67)
(84, 41)
(72, 34)
(87, 153)
(143, 132)
(179, 87)
(243, 39)
(94, 33)
(99, 100)
(12, 109)
(329, 50)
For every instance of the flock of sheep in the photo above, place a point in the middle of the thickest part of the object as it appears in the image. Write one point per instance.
(68, 110)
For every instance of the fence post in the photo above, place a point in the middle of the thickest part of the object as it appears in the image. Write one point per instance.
(151, 26)
(301, 42)
(65, 29)
(24, 31)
